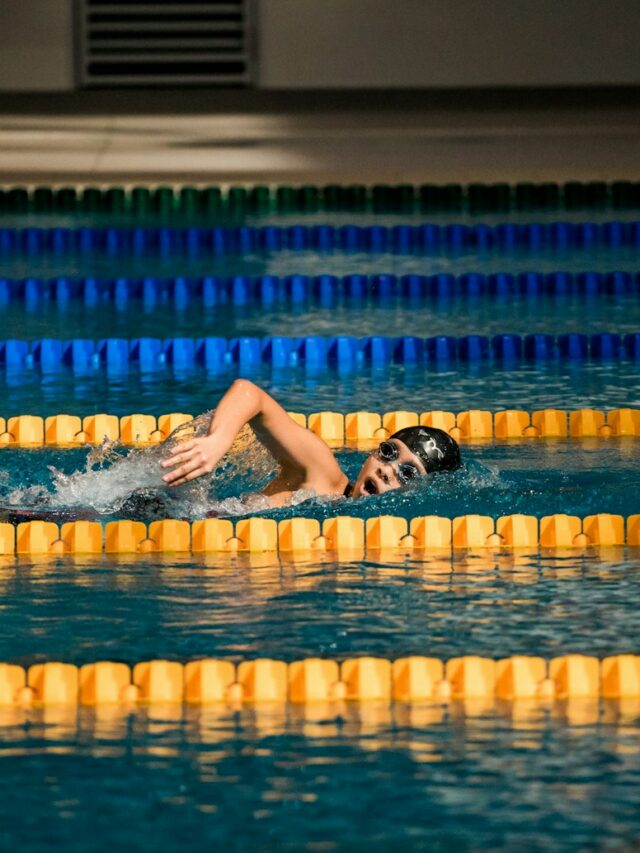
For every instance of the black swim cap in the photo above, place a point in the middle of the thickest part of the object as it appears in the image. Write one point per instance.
(434, 447)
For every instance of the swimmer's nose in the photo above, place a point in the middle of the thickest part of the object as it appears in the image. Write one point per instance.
(384, 474)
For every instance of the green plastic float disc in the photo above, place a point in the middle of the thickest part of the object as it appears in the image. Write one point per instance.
(140, 201)
(406, 198)
(18, 200)
(549, 196)
(429, 198)
(211, 201)
(574, 195)
(260, 199)
(477, 197)
(65, 199)
(163, 201)
(116, 200)
(503, 197)
(524, 196)
(189, 201)
(332, 197)
(596, 194)
(356, 198)
(381, 195)
(308, 199)
(625, 194)
(452, 197)
(42, 200)
(91, 200)
(237, 200)
(285, 199)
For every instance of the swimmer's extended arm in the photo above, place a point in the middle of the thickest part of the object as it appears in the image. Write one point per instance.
(305, 458)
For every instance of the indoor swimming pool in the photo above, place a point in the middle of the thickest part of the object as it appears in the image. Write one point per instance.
(392, 302)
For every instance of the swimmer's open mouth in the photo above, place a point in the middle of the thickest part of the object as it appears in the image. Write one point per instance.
(370, 486)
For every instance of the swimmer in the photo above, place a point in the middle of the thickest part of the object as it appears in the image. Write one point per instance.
(306, 462)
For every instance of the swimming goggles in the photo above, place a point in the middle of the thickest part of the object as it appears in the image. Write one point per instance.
(389, 452)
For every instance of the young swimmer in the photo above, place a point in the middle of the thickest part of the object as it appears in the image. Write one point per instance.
(306, 462)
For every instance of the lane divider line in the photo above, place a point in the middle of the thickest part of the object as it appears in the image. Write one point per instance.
(407, 679)
(346, 353)
(360, 430)
(342, 537)
(191, 200)
(425, 238)
(325, 290)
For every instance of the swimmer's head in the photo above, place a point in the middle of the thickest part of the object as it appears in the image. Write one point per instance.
(405, 456)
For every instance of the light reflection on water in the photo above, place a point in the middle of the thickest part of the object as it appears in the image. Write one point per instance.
(449, 387)
(453, 315)
(239, 607)
(465, 776)
(305, 262)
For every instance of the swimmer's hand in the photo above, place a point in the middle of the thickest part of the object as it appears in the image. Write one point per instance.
(191, 459)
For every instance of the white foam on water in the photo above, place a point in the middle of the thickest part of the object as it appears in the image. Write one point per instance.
(113, 483)
(110, 479)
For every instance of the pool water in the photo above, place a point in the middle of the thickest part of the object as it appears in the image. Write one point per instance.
(535, 477)
(463, 776)
(84, 219)
(310, 262)
(488, 316)
(481, 385)
(413, 778)
(467, 775)
(494, 604)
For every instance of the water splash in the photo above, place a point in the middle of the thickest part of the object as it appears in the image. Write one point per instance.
(131, 485)
(534, 478)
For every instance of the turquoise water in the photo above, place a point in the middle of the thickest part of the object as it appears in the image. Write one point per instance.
(563, 777)
(288, 262)
(535, 477)
(562, 384)
(266, 779)
(80, 219)
(463, 777)
(445, 316)
(239, 608)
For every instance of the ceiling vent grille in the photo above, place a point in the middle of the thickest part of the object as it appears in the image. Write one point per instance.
(164, 44)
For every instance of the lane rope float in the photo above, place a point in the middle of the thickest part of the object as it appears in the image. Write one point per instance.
(299, 290)
(341, 537)
(409, 679)
(210, 200)
(337, 429)
(425, 238)
(313, 352)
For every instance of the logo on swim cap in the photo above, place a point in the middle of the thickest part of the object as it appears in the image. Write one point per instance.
(430, 445)
(434, 447)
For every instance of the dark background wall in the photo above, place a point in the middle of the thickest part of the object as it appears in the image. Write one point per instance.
(327, 44)
(448, 43)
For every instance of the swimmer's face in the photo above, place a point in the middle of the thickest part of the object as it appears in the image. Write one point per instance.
(381, 474)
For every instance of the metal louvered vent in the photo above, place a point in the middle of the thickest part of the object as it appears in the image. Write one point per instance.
(163, 43)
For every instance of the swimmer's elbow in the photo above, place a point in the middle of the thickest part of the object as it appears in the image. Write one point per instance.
(246, 389)
(244, 384)
(249, 398)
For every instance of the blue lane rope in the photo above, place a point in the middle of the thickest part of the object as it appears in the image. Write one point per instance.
(312, 352)
(320, 290)
(401, 239)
